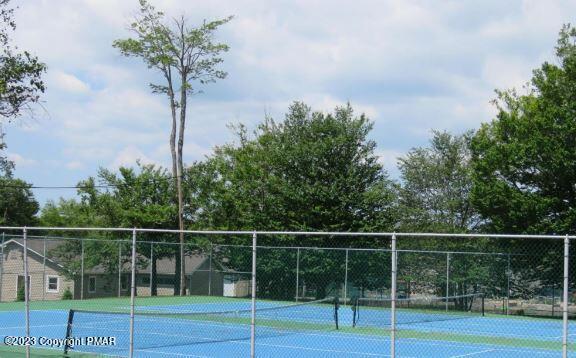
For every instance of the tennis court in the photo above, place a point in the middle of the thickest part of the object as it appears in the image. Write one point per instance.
(310, 301)
(221, 329)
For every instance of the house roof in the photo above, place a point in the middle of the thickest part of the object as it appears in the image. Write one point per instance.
(35, 247)
(164, 266)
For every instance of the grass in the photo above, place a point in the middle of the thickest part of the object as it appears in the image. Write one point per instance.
(113, 304)
(20, 352)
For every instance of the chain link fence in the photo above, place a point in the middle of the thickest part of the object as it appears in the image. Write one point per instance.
(119, 292)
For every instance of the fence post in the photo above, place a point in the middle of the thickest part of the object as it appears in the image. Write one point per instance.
(26, 290)
(253, 315)
(1, 265)
(210, 271)
(297, 272)
(151, 264)
(82, 269)
(119, 269)
(346, 278)
(508, 274)
(44, 270)
(132, 292)
(393, 299)
(565, 298)
(447, 278)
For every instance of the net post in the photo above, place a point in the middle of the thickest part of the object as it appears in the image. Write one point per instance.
(69, 324)
(482, 302)
(82, 269)
(565, 297)
(297, 271)
(447, 278)
(336, 308)
(346, 279)
(393, 299)
(253, 309)
(132, 292)
(26, 290)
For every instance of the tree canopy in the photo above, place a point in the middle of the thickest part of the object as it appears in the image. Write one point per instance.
(20, 72)
(436, 185)
(312, 171)
(524, 161)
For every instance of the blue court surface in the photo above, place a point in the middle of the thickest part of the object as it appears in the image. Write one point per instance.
(299, 331)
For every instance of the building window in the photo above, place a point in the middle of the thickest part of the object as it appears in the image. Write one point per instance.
(92, 284)
(53, 284)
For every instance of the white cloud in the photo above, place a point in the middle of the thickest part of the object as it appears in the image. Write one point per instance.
(411, 66)
(68, 83)
(21, 161)
(388, 158)
(128, 157)
(506, 71)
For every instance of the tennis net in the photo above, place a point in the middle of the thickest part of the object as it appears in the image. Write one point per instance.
(159, 327)
(376, 311)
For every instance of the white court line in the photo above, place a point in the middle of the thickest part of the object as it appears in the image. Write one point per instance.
(33, 326)
(423, 342)
(258, 344)
(334, 335)
(473, 353)
(539, 351)
(170, 353)
(326, 350)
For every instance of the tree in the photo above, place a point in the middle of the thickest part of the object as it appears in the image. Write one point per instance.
(436, 185)
(20, 73)
(524, 161)
(313, 171)
(310, 172)
(20, 86)
(435, 197)
(17, 204)
(133, 198)
(183, 55)
(6, 166)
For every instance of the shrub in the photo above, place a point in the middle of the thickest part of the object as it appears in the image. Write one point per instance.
(20, 295)
(67, 295)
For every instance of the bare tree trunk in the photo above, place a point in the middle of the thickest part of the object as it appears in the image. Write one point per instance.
(180, 171)
(176, 172)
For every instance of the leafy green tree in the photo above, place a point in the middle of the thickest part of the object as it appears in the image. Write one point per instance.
(20, 72)
(17, 204)
(524, 160)
(132, 198)
(72, 213)
(436, 185)
(310, 172)
(6, 166)
(435, 197)
(313, 171)
(186, 57)
(525, 163)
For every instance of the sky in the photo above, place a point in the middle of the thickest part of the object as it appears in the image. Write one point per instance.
(410, 66)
